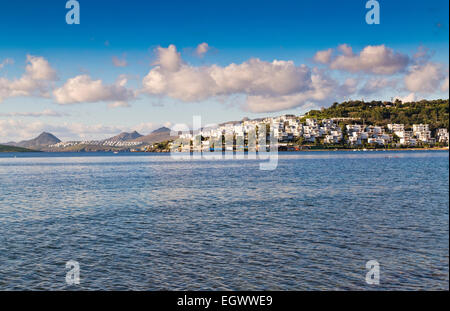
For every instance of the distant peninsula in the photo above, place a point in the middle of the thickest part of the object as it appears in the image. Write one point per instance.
(4, 148)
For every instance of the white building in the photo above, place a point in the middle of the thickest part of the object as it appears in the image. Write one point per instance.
(396, 127)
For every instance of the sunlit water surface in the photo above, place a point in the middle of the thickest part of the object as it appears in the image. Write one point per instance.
(148, 222)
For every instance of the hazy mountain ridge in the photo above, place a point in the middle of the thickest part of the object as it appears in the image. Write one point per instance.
(432, 112)
(124, 136)
(43, 140)
(158, 135)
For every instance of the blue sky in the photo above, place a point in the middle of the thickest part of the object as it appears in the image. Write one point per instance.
(235, 32)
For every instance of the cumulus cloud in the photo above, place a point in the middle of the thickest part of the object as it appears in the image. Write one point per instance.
(82, 89)
(377, 59)
(168, 58)
(346, 49)
(407, 99)
(444, 85)
(425, 78)
(281, 83)
(375, 85)
(349, 86)
(38, 68)
(202, 49)
(322, 88)
(323, 57)
(118, 104)
(15, 130)
(34, 82)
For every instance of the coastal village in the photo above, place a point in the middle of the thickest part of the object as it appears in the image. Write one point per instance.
(349, 125)
(291, 133)
(295, 131)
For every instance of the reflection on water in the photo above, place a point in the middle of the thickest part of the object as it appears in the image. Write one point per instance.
(148, 222)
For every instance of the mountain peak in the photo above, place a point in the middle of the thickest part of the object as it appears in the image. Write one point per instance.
(46, 134)
(44, 139)
(125, 136)
(161, 130)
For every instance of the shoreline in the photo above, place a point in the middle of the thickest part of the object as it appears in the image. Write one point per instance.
(207, 152)
(377, 149)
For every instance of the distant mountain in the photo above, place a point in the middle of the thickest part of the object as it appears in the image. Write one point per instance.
(43, 140)
(161, 130)
(125, 136)
(157, 136)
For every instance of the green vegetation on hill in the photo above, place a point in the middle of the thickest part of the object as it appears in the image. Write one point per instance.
(432, 112)
(4, 148)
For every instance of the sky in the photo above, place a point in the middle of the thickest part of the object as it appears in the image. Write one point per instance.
(138, 65)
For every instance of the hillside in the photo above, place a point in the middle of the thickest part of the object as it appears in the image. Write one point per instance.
(161, 130)
(433, 112)
(157, 136)
(124, 136)
(4, 148)
(43, 140)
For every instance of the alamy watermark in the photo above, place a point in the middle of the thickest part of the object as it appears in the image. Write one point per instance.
(251, 140)
(73, 275)
(73, 15)
(373, 15)
(373, 275)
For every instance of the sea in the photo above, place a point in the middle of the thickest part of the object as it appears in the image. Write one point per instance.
(141, 221)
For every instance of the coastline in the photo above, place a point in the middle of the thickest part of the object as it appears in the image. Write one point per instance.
(207, 152)
(376, 149)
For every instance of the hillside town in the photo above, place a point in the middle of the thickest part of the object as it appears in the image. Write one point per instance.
(292, 130)
(102, 143)
(287, 132)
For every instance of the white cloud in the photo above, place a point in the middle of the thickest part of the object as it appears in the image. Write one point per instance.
(322, 88)
(407, 99)
(202, 49)
(82, 89)
(168, 58)
(38, 68)
(14, 130)
(118, 104)
(281, 83)
(444, 85)
(375, 85)
(425, 78)
(349, 86)
(346, 49)
(377, 59)
(323, 57)
(34, 82)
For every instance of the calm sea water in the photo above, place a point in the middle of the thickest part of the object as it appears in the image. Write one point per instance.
(147, 222)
